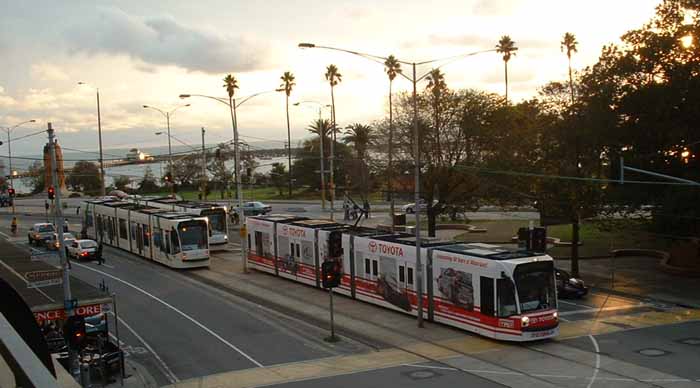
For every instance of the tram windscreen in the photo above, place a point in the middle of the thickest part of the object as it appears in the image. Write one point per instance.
(193, 235)
(535, 285)
(217, 220)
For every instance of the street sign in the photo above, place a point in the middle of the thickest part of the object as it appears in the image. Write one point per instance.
(36, 279)
(43, 256)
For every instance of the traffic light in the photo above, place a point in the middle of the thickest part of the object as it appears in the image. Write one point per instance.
(168, 177)
(11, 192)
(52, 192)
(539, 240)
(331, 273)
(74, 332)
(335, 244)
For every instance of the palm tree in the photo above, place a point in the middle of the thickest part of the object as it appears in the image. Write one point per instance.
(506, 46)
(334, 78)
(392, 68)
(437, 87)
(231, 84)
(570, 45)
(286, 86)
(321, 128)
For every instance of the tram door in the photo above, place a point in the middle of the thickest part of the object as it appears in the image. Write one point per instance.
(259, 244)
(139, 238)
(406, 276)
(487, 297)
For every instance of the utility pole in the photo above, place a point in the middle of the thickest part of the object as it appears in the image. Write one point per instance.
(332, 182)
(58, 221)
(99, 135)
(204, 168)
(12, 175)
(416, 151)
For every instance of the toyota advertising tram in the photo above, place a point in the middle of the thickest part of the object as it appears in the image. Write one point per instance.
(172, 238)
(496, 292)
(217, 214)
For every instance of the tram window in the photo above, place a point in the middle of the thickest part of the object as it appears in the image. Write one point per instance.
(367, 270)
(291, 249)
(146, 236)
(410, 275)
(375, 268)
(167, 242)
(506, 298)
(175, 243)
(486, 288)
(249, 241)
(298, 254)
(402, 275)
(122, 229)
(133, 231)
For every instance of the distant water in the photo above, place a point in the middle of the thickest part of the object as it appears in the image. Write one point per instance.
(135, 172)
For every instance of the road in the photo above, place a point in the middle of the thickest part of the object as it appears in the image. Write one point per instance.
(178, 328)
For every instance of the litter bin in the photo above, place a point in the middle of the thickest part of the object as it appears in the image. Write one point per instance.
(399, 218)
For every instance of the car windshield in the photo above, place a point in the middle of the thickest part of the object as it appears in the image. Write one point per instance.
(193, 235)
(217, 220)
(535, 286)
(44, 228)
(88, 244)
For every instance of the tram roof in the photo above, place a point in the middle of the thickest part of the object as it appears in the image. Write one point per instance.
(410, 239)
(487, 251)
(281, 218)
(145, 209)
(317, 224)
(182, 203)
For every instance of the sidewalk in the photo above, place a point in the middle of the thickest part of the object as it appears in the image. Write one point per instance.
(637, 276)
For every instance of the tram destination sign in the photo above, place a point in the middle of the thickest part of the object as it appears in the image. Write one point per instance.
(37, 279)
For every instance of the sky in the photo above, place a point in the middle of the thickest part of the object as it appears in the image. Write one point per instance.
(150, 52)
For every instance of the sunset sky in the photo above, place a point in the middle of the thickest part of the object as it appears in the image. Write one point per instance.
(149, 52)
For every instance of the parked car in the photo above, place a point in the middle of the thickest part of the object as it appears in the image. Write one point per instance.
(52, 243)
(256, 208)
(569, 287)
(411, 207)
(82, 249)
(39, 233)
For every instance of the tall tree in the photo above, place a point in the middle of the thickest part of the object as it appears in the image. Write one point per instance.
(277, 176)
(287, 85)
(334, 78)
(361, 137)
(506, 46)
(84, 176)
(437, 88)
(570, 45)
(148, 184)
(231, 84)
(392, 67)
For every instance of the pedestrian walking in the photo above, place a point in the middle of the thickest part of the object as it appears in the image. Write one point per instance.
(77, 211)
(346, 210)
(366, 206)
(98, 254)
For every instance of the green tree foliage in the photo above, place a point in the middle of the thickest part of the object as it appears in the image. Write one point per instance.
(35, 176)
(121, 182)
(149, 183)
(222, 177)
(278, 177)
(361, 137)
(306, 165)
(84, 176)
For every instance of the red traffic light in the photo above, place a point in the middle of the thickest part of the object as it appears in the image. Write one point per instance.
(11, 192)
(331, 274)
(51, 192)
(74, 331)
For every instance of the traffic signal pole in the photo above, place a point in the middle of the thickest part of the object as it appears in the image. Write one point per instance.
(58, 222)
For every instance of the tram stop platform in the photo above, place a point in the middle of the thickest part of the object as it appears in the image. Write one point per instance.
(39, 283)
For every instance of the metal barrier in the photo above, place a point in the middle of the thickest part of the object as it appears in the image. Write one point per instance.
(28, 370)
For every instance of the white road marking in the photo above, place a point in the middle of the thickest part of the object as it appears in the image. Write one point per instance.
(595, 310)
(597, 360)
(166, 304)
(4, 235)
(168, 373)
(430, 367)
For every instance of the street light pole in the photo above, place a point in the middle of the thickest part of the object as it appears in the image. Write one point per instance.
(167, 115)
(204, 168)
(99, 137)
(321, 148)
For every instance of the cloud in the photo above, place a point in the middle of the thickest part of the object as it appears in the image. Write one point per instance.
(48, 72)
(5, 100)
(163, 41)
(492, 7)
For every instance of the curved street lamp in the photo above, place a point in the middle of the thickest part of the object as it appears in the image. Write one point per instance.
(414, 79)
(99, 136)
(320, 137)
(167, 115)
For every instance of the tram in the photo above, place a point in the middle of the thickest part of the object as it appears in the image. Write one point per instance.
(496, 292)
(217, 214)
(172, 238)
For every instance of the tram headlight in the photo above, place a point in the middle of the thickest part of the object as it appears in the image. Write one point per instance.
(555, 315)
(524, 321)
